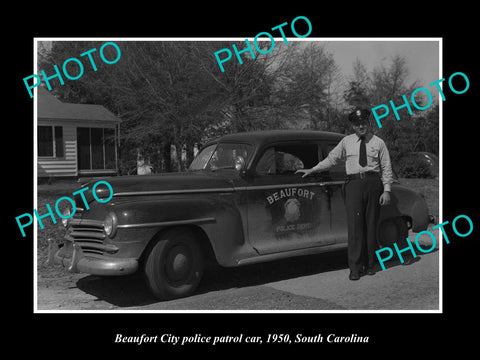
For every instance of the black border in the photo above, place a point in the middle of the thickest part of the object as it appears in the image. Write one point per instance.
(406, 334)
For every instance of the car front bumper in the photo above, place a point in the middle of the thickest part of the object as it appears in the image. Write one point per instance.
(77, 261)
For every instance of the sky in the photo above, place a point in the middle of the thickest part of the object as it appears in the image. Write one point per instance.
(422, 57)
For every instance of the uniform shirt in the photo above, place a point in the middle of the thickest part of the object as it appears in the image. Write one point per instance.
(348, 149)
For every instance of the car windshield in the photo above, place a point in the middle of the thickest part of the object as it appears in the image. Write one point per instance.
(221, 156)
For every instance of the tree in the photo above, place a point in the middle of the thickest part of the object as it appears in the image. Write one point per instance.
(248, 89)
(170, 93)
(157, 89)
(425, 131)
(357, 94)
(389, 82)
(309, 86)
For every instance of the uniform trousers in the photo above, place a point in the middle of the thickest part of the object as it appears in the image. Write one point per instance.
(363, 209)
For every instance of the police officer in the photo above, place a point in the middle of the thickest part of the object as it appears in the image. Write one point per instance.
(368, 185)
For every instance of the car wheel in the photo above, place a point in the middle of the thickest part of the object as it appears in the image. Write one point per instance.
(391, 231)
(174, 266)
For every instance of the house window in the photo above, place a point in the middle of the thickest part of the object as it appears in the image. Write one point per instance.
(50, 141)
(96, 148)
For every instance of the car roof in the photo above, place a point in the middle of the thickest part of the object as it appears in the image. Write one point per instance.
(267, 136)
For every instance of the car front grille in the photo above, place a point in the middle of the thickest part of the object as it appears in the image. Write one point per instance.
(89, 235)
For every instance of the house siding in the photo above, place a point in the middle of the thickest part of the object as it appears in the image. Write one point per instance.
(63, 166)
(67, 166)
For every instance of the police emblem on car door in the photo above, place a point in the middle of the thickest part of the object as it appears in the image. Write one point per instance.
(286, 211)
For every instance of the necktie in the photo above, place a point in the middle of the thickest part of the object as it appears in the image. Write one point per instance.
(362, 160)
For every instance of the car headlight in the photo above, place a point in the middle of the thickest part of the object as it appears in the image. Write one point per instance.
(110, 225)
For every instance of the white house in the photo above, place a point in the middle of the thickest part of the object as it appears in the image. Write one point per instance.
(75, 140)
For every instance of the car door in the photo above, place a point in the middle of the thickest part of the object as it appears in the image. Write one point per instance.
(285, 211)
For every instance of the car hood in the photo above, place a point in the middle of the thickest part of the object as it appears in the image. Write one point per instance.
(182, 182)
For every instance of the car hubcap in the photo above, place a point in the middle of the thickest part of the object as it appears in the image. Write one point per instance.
(178, 263)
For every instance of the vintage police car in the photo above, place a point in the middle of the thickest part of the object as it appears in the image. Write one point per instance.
(240, 203)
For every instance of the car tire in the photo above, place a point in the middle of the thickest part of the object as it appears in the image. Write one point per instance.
(174, 265)
(391, 231)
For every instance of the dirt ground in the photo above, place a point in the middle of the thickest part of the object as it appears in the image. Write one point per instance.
(316, 282)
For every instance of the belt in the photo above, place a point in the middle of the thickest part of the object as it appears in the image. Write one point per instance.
(367, 174)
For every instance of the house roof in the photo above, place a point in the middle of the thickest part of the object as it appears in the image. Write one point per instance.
(49, 107)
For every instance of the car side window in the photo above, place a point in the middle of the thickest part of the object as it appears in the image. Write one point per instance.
(266, 164)
(287, 158)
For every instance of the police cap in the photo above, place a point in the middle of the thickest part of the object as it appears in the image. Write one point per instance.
(358, 116)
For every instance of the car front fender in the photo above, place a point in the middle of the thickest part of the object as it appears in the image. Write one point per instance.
(141, 218)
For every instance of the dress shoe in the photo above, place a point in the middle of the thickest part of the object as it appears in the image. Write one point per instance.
(370, 271)
(354, 276)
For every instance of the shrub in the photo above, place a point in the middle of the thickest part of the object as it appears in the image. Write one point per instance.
(414, 167)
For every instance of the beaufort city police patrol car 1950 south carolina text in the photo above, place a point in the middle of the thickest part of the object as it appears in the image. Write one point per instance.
(240, 203)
